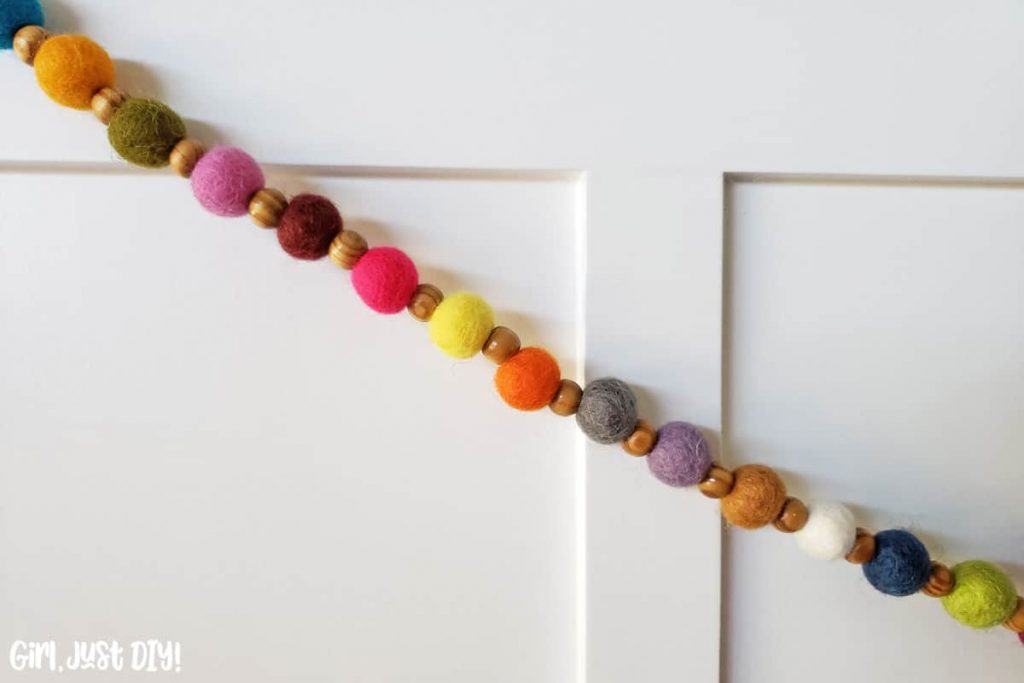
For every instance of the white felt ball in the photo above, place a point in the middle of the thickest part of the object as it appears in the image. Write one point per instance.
(829, 533)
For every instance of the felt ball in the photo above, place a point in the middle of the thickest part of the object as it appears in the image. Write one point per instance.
(461, 325)
(829, 533)
(756, 499)
(385, 279)
(983, 595)
(71, 69)
(681, 456)
(308, 226)
(529, 379)
(143, 132)
(224, 179)
(15, 14)
(901, 564)
(607, 410)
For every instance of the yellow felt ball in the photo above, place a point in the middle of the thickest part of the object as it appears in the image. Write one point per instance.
(71, 69)
(461, 324)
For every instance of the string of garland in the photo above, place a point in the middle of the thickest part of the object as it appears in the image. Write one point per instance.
(76, 72)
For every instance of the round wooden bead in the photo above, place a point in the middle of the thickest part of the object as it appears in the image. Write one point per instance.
(267, 206)
(185, 155)
(1016, 621)
(717, 484)
(106, 102)
(567, 398)
(347, 248)
(27, 42)
(642, 440)
(940, 581)
(863, 547)
(501, 345)
(793, 516)
(424, 302)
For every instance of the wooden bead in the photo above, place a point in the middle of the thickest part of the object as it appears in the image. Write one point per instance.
(501, 345)
(347, 248)
(424, 302)
(185, 155)
(1016, 621)
(940, 581)
(27, 42)
(106, 102)
(267, 206)
(641, 441)
(793, 516)
(567, 398)
(717, 483)
(863, 549)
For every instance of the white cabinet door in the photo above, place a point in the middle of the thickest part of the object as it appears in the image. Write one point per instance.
(207, 442)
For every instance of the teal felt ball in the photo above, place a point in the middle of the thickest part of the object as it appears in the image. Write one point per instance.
(16, 14)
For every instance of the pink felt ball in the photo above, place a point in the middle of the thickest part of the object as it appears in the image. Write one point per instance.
(385, 279)
(224, 180)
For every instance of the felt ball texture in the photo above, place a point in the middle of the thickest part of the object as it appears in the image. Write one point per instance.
(461, 325)
(529, 379)
(829, 533)
(385, 279)
(143, 132)
(70, 69)
(15, 14)
(983, 595)
(224, 179)
(901, 564)
(607, 410)
(681, 456)
(308, 226)
(757, 497)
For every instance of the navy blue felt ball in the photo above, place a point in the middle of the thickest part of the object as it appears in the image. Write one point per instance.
(15, 14)
(901, 564)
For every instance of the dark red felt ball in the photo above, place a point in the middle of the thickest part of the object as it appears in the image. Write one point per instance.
(308, 226)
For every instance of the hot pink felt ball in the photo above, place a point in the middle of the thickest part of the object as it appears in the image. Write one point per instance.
(385, 279)
(225, 179)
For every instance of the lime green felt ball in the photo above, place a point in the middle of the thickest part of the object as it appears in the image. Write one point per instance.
(461, 325)
(983, 596)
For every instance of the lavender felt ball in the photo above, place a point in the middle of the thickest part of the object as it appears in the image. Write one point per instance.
(681, 456)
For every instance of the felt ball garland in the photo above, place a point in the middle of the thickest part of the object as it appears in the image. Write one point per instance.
(76, 72)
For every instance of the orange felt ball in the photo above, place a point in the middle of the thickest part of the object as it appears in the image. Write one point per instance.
(71, 69)
(529, 379)
(756, 499)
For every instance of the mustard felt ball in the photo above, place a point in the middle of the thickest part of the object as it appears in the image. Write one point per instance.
(461, 325)
(71, 69)
(983, 596)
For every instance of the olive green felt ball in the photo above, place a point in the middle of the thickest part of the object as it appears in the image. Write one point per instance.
(983, 596)
(143, 132)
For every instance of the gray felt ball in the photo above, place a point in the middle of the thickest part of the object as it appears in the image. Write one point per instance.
(607, 411)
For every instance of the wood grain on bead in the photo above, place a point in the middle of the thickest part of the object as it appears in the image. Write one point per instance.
(1016, 621)
(267, 206)
(793, 516)
(940, 581)
(863, 549)
(347, 248)
(717, 484)
(27, 42)
(642, 440)
(106, 102)
(567, 398)
(424, 302)
(501, 345)
(185, 155)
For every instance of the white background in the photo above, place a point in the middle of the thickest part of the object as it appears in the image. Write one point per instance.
(204, 441)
